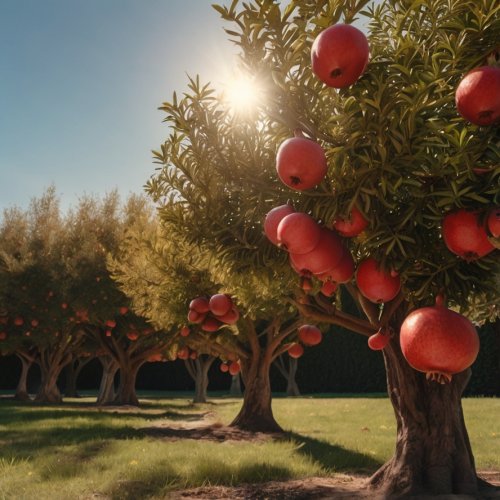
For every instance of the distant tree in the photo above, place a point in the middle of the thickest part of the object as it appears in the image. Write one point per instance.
(397, 151)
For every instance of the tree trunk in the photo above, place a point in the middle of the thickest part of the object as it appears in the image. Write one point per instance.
(256, 414)
(235, 389)
(198, 370)
(71, 376)
(48, 391)
(288, 373)
(107, 393)
(433, 454)
(22, 385)
(126, 394)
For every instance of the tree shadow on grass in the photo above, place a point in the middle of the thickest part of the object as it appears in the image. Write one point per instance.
(334, 457)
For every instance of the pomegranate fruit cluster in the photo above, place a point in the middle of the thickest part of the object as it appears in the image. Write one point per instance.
(212, 313)
(231, 367)
(309, 335)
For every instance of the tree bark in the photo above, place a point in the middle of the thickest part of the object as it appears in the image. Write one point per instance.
(235, 389)
(292, 389)
(256, 414)
(73, 370)
(22, 385)
(126, 394)
(48, 391)
(198, 370)
(433, 453)
(107, 393)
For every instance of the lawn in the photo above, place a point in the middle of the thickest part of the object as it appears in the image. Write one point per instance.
(76, 450)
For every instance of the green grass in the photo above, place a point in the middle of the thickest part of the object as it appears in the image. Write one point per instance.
(77, 451)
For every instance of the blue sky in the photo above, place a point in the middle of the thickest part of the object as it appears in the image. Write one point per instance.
(80, 84)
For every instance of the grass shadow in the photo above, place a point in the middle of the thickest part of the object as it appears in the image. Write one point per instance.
(334, 457)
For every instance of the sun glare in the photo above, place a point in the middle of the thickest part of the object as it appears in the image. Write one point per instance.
(243, 94)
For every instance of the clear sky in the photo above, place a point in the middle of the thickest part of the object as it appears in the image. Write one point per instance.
(80, 84)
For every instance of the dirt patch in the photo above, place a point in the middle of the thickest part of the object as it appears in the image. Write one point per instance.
(199, 430)
(340, 486)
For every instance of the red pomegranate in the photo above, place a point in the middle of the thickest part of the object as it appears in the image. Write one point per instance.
(110, 323)
(185, 331)
(132, 335)
(108, 333)
(306, 283)
(343, 271)
(324, 257)
(438, 341)
(211, 325)
(19, 321)
(301, 163)
(493, 222)
(329, 288)
(295, 351)
(183, 353)
(234, 368)
(220, 304)
(339, 55)
(231, 317)
(224, 368)
(196, 317)
(272, 220)
(200, 305)
(477, 96)
(378, 340)
(310, 335)
(376, 284)
(298, 233)
(353, 226)
(465, 236)
(124, 310)
(193, 355)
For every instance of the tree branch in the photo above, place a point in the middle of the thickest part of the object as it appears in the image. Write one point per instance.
(370, 310)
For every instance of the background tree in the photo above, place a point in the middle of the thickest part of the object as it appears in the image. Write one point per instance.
(396, 149)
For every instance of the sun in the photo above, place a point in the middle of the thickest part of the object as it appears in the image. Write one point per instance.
(243, 94)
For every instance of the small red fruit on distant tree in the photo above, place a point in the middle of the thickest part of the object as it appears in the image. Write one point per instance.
(193, 355)
(353, 226)
(310, 335)
(64, 305)
(211, 325)
(298, 233)
(477, 96)
(220, 304)
(376, 284)
(378, 340)
(324, 257)
(438, 341)
(108, 333)
(124, 310)
(183, 353)
(301, 163)
(18, 321)
(234, 368)
(34, 323)
(339, 55)
(196, 317)
(200, 305)
(224, 368)
(110, 323)
(295, 351)
(185, 331)
(493, 222)
(272, 220)
(465, 236)
(132, 336)
(231, 317)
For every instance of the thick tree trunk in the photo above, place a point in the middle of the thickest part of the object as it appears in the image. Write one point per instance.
(73, 370)
(22, 384)
(433, 454)
(48, 391)
(126, 394)
(107, 393)
(256, 414)
(235, 389)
